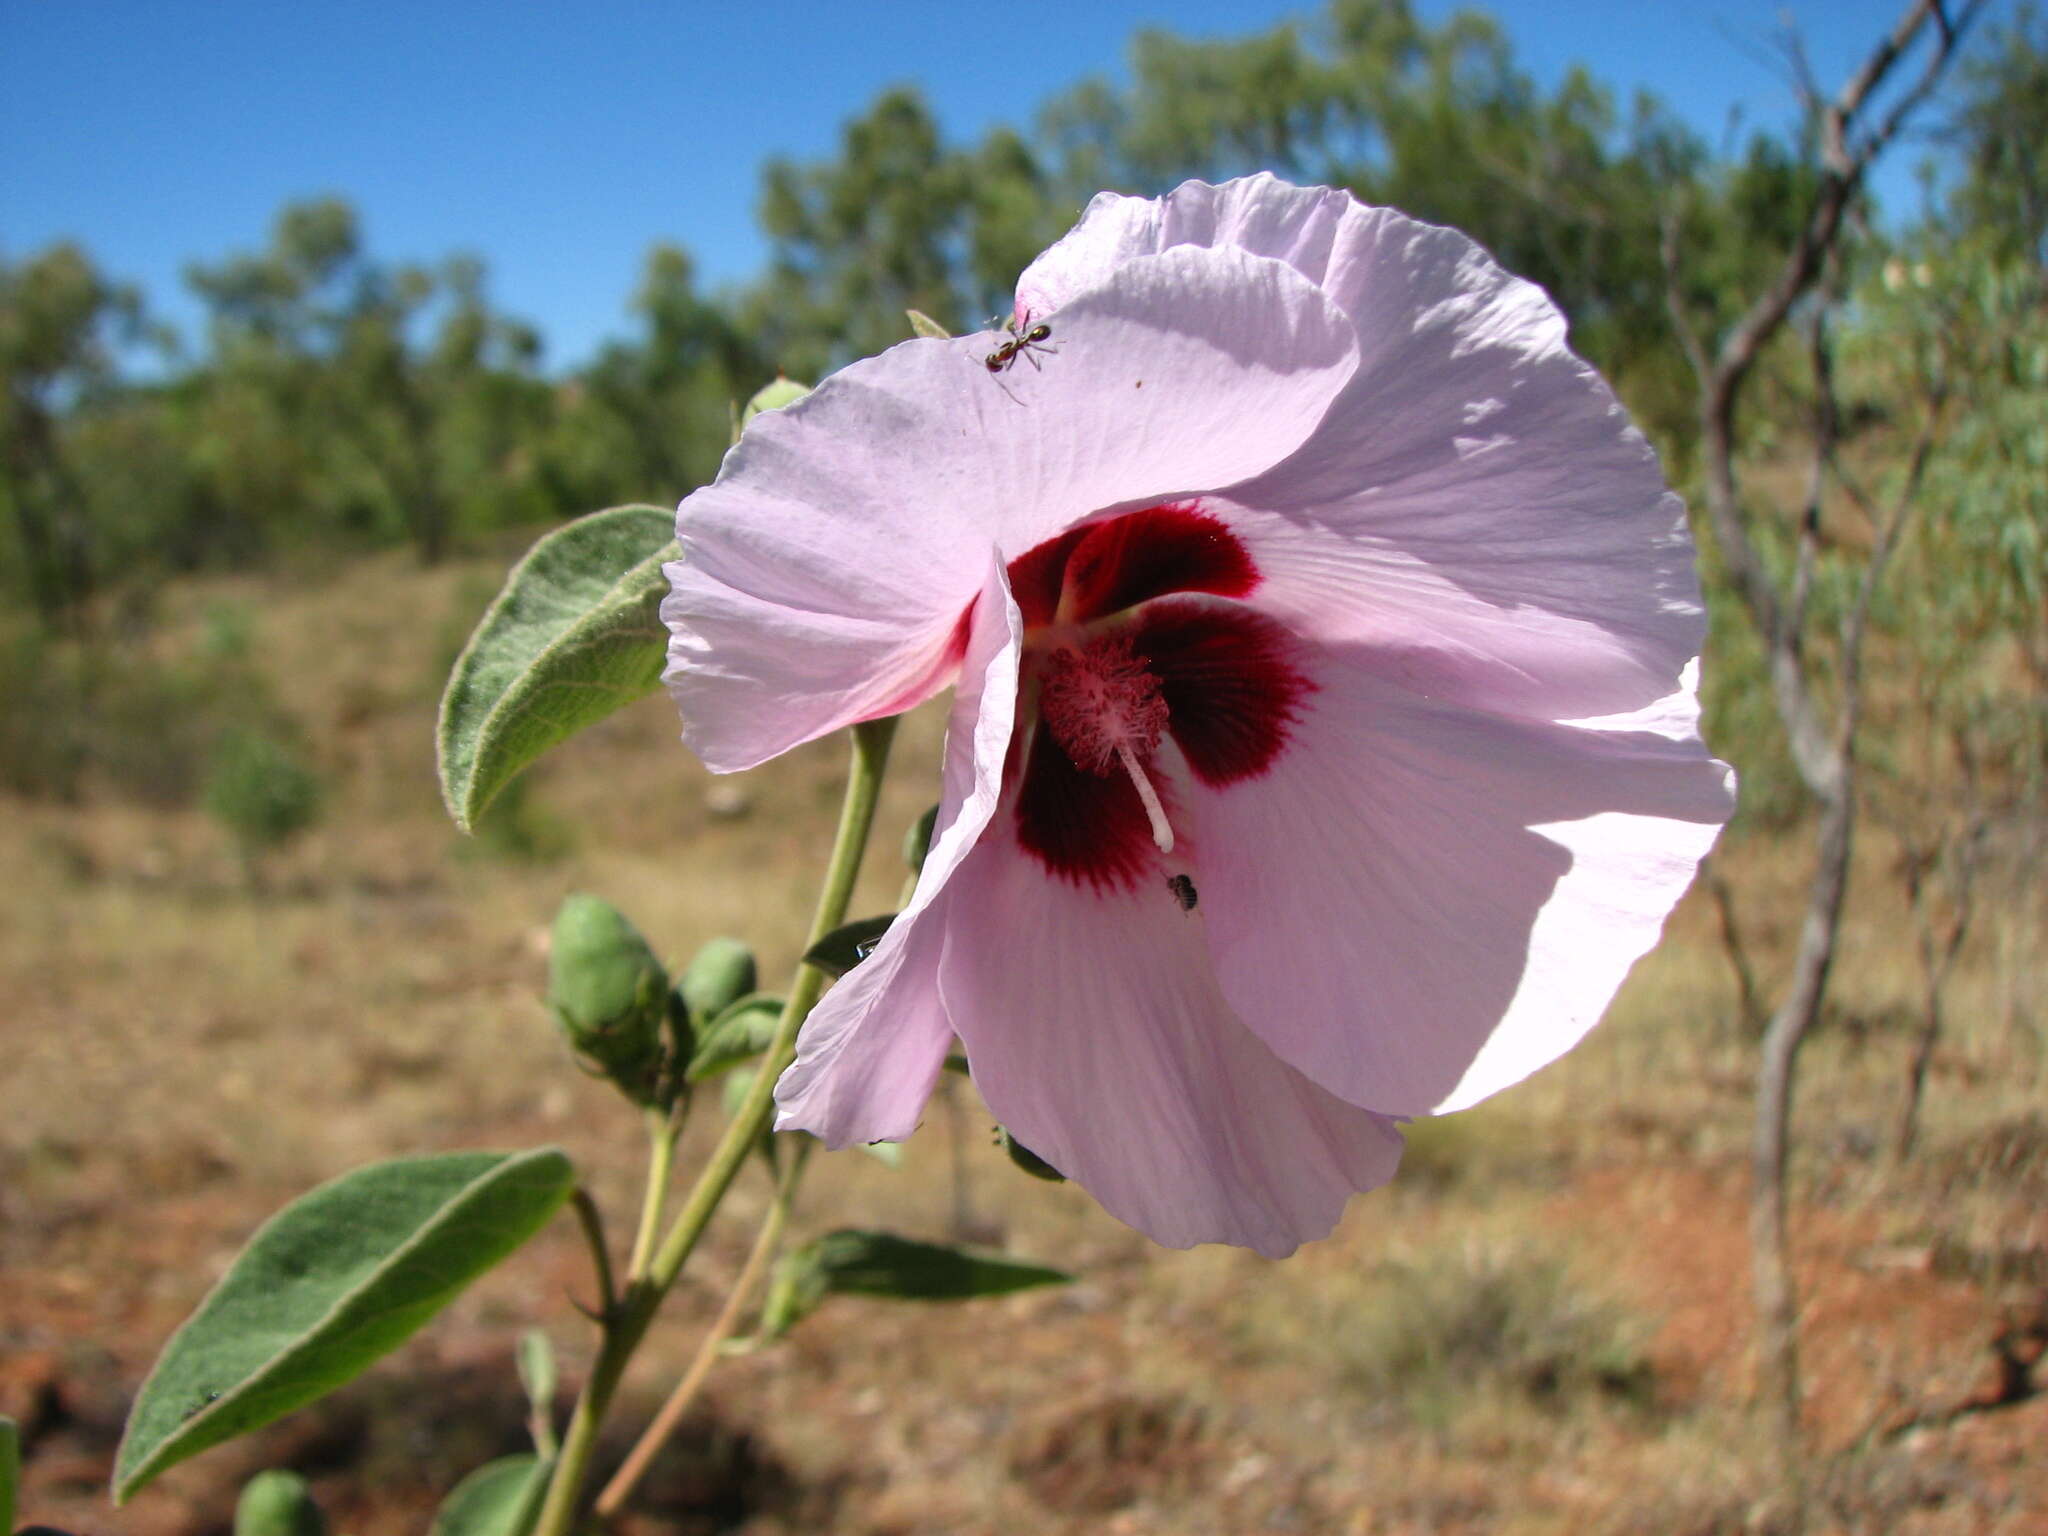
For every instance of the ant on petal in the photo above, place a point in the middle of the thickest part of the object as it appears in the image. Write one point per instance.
(1025, 338)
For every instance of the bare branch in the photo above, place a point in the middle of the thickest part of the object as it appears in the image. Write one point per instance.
(1845, 155)
(1826, 433)
(1749, 997)
(1842, 172)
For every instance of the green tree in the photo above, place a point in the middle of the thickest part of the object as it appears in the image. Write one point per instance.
(857, 240)
(388, 399)
(650, 418)
(61, 324)
(2000, 133)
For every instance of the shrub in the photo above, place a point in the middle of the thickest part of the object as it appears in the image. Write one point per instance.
(261, 791)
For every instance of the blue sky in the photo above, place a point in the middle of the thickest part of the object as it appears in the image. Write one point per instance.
(559, 141)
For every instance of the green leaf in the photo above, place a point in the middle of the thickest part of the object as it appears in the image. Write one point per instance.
(1030, 1161)
(500, 1498)
(336, 1279)
(276, 1503)
(845, 947)
(575, 634)
(10, 1470)
(739, 1034)
(537, 1376)
(859, 1263)
(922, 324)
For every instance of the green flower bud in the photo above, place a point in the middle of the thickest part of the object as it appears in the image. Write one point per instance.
(277, 1504)
(917, 842)
(609, 994)
(773, 397)
(721, 974)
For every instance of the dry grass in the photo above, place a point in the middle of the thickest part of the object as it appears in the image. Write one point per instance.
(1539, 1328)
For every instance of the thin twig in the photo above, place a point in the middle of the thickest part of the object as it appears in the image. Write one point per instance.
(1749, 995)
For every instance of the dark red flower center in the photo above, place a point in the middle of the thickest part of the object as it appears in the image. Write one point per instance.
(1135, 632)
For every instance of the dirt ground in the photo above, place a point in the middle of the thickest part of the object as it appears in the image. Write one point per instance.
(1542, 1327)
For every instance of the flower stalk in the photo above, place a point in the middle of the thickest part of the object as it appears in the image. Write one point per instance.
(626, 1323)
(766, 1242)
(663, 1128)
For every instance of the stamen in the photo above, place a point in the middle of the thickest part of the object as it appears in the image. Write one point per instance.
(1103, 706)
(1162, 834)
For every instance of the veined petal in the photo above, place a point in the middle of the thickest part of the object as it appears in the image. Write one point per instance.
(870, 1051)
(823, 573)
(1476, 505)
(1450, 635)
(1451, 897)
(1477, 472)
(1260, 214)
(1097, 1035)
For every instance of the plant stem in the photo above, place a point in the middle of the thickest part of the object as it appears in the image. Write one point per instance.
(600, 1257)
(661, 1149)
(626, 1324)
(620, 1488)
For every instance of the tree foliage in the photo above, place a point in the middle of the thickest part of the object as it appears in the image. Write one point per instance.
(338, 398)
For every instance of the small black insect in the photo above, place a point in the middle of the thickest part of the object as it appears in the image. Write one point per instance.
(1183, 891)
(205, 1402)
(1025, 339)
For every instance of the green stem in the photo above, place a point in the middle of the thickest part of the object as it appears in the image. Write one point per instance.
(627, 1323)
(656, 1435)
(661, 1150)
(592, 1222)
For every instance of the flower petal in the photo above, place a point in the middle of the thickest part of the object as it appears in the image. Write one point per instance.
(1477, 501)
(1097, 1035)
(1476, 505)
(869, 1053)
(1497, 879)
(1260, 214)
(824, 572)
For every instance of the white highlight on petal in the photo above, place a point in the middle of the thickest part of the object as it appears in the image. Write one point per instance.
(1155, 813)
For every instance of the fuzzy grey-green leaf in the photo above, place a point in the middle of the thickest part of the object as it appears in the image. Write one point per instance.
(575, 634)
(335, 1280)
(500, 1498)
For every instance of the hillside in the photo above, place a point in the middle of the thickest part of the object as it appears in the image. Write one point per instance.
(1541, 1326)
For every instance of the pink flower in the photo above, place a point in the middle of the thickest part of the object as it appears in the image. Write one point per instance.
(1323, 751)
